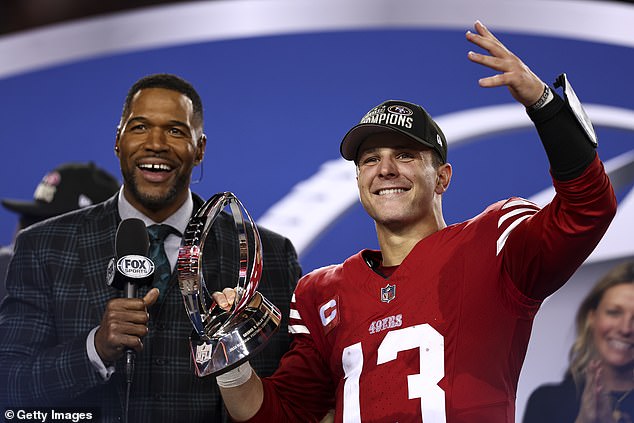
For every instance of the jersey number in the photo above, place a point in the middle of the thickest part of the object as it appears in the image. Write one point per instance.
(424, 385)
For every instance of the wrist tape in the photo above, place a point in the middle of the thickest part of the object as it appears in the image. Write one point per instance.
(235, 377)
(546, 97)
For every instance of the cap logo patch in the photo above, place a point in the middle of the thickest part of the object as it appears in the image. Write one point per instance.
(395, 115)
(400, 110)
(45, 192)
(439, 140)
(52, 178)
(46, 189)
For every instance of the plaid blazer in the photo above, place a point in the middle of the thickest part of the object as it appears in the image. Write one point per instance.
(57, 293)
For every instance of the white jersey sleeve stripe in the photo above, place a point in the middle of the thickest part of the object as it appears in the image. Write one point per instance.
(502, 239)
(294, 329)
(293, 298)
(294, 314)
(515, 212)
(519, 202)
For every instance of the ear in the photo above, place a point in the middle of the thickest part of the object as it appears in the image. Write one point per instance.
(443, 178)
(200, 149)
(116, 141)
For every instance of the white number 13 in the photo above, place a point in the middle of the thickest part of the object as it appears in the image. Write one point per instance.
(423, 385)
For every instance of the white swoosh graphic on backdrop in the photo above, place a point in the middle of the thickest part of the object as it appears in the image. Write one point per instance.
(157, 27)
(179, 24)
(317, 202)
(185, 23)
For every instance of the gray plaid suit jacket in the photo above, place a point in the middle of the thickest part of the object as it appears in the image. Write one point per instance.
(57, 293)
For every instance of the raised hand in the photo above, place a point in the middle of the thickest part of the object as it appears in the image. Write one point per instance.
(595, 405)
(524, 85)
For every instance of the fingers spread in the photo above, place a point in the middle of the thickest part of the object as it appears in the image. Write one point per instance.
(524, 85)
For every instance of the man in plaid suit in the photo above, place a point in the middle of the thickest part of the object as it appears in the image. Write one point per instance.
(63, 331)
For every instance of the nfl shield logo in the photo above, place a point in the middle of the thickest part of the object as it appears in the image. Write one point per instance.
(388, 293)
(203, 353)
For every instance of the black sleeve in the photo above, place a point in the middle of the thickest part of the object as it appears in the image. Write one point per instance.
(553, 403)
(568, 149)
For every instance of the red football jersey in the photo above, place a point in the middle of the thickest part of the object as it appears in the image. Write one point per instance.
(444, 338)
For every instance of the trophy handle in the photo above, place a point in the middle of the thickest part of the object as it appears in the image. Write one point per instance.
(246, 287)
(224, 339)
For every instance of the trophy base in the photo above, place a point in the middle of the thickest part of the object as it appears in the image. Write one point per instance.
(238, 339)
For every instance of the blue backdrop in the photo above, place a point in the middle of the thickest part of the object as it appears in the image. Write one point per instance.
(277, 104)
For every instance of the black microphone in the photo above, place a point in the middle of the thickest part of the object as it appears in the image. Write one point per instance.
(131, 268)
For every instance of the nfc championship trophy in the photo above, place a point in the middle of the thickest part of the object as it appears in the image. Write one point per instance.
(222, 340)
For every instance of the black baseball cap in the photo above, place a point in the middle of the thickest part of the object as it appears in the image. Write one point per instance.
(68, 187)
(399, 116)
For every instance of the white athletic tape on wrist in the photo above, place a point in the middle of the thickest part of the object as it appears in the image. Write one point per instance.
(235, 377)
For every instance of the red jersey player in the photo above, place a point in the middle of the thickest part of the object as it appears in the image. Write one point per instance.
(434, 327)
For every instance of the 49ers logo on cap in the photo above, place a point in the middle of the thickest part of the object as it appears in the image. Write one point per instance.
(400, 110)
(134, 266)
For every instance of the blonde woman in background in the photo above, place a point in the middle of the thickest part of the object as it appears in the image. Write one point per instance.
(599, 381)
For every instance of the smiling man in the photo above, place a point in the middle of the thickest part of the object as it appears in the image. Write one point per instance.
(64, 331)
(434, 326)
(160, 121)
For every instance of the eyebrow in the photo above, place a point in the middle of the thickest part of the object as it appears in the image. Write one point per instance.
(393, 147)
(170, 123)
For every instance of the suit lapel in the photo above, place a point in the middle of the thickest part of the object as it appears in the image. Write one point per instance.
(96, 243)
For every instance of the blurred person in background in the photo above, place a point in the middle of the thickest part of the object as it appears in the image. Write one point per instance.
(69, 186)
(597, 387)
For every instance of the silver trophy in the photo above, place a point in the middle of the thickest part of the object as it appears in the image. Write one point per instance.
(222, 340)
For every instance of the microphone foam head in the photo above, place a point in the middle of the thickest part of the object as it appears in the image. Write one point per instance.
(132, 238)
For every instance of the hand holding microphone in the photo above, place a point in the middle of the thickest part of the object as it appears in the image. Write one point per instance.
(124, 322)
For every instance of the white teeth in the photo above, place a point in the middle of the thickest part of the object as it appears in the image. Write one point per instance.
(391, 191)
(155, 167)
(619, 345)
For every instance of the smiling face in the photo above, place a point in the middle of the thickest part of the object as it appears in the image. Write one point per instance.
(399, 185)
(612, 325)
(158, 145)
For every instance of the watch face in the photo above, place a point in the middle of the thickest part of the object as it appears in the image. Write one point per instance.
(577, 108)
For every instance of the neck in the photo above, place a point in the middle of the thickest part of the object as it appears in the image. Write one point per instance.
(618, 379)
(397, 244)
(158, 212)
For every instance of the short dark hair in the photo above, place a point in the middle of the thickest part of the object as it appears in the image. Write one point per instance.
(168, 82)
